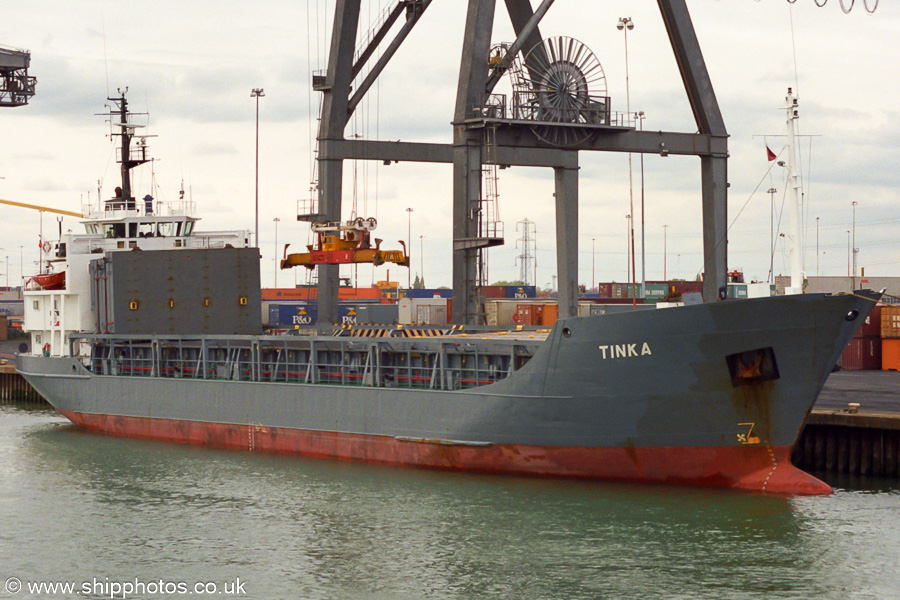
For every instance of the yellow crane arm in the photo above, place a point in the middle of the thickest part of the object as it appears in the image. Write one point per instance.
(42, 208)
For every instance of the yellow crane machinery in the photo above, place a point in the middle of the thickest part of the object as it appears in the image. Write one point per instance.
(339, 244)
(42, 208)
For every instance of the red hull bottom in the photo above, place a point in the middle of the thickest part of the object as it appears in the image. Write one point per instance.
(757, 468)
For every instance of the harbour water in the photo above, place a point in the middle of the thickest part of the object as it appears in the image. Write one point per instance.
(110, 513)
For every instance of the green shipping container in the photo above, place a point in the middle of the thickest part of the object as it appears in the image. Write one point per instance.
(654, 292)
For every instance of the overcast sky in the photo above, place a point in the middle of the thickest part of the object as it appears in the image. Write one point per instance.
(191, 66)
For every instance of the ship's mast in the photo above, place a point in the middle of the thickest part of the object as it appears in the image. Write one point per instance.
(126, 146)
(124, 199)
(795, 199)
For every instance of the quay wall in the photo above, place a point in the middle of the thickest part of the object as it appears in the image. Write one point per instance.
(865, 444)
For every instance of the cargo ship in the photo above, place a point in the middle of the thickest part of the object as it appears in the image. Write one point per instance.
(154, 331)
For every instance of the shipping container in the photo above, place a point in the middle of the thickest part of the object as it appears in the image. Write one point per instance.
(862, 354)
(520, 291)
(550, 314)
(405, 311)
(619, 307)
(423, 311)
(737, 290)
(12, 308)
(311, 293)
(303, 314)
(604, 290)
(501, 313)
(679, 288)
(890, 322)
(378, 314)
(292, 314)
(654, 291)
(890, 354)
(529, 314)
(431, 314)
(429, 293)
(348, 315)
(760, 290)
(871, 327)
(493, 291)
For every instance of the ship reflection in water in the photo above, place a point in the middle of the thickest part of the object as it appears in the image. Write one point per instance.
(77, 505)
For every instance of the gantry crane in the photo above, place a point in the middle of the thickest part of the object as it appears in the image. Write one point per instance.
(16, 85)
(549, 128)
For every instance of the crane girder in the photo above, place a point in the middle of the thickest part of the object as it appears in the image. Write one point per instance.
(58, 211)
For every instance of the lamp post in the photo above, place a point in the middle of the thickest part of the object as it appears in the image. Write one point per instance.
(627, 253)
(848, 257)
(257, 93)
(422, 258)
(855, 249)
(593, 265)
(817, 246)
(665, 251)
(409, 212)
(277, 265)
(771, 191)
(624, 25)
(640, 116)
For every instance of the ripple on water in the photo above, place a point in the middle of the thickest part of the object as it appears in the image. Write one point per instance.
(80, 505)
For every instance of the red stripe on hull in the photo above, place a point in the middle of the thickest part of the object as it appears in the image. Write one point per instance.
(757, 468)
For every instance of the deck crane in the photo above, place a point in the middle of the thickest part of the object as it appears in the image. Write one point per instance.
(58, 211)
(47, 281)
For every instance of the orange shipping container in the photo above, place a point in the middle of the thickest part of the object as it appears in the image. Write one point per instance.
(890, 354)
(551, 313)
(311, 293)
(890, 322)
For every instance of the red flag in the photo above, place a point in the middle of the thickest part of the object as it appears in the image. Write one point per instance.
(769, 154)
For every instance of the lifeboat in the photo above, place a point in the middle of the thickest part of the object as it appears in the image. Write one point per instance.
(48, 281)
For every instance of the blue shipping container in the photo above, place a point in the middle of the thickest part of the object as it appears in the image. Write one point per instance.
(289, 315)
(520, 291)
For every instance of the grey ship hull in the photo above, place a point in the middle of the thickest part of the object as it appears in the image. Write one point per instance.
(714, 394)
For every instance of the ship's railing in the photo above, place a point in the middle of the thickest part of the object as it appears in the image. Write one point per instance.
(432, 363)
(117, 208)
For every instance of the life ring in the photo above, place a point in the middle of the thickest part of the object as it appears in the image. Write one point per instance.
(46, 247)
(47, 349)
